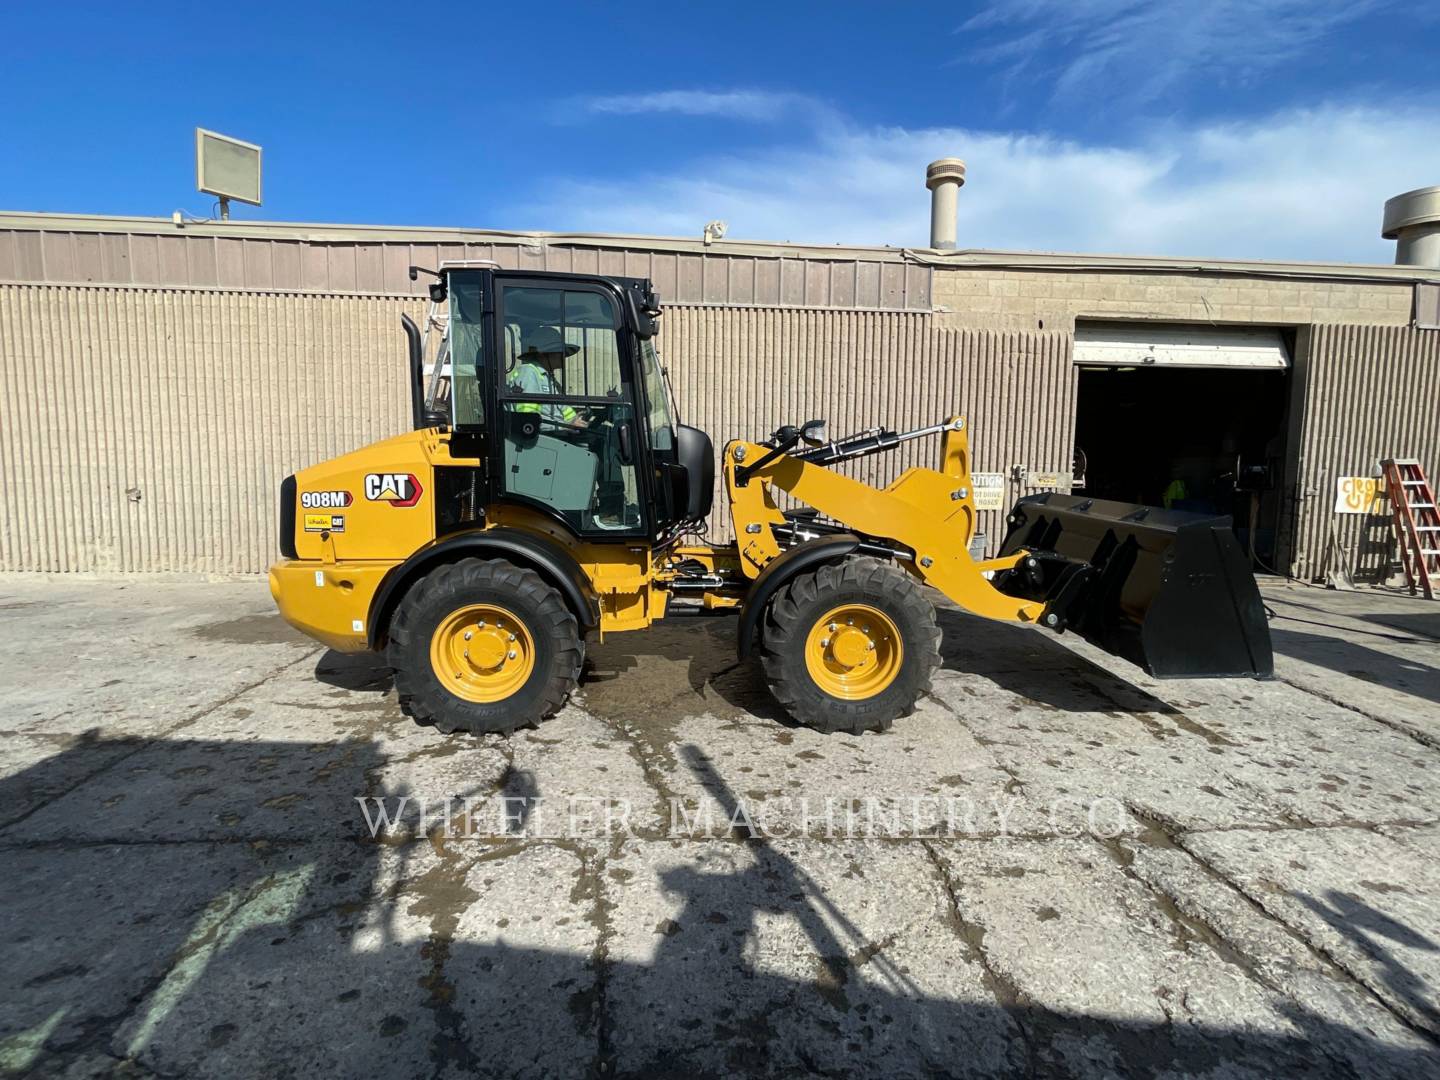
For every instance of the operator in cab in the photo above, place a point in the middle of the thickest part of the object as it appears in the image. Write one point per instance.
(538, 371)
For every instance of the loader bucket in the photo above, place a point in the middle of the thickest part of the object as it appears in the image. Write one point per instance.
(1167, 590)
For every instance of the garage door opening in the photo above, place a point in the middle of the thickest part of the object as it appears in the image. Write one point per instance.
(1187, 417)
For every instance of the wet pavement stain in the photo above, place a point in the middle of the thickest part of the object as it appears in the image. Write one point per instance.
(252, 630)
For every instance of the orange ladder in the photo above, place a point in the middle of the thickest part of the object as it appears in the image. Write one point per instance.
(1417, 522)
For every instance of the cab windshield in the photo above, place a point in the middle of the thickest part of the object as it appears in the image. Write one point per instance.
(659, 411)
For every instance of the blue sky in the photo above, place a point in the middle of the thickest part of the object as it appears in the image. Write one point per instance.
(1222, 128)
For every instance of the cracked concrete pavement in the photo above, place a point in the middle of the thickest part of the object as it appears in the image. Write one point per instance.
(1056, 866)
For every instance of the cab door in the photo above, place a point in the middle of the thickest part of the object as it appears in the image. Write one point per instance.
(566, 416)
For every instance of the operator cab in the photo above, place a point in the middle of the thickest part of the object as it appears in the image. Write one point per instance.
(554, 380)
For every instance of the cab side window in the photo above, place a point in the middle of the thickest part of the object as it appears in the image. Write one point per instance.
(567, 410)
(466, 360)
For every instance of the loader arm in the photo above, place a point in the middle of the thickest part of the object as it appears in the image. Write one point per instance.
(930, 512)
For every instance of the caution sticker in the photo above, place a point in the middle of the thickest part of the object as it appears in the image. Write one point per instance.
(989, 490)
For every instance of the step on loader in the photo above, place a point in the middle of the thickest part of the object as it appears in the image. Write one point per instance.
(548, 492)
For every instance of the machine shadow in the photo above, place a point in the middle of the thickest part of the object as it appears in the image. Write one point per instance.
(687, 663)
(1029, 663)
(1021, 660)
(179, 913)
(355, 671)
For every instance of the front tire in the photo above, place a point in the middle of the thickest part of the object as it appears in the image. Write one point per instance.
(483, 646)
(850, 646)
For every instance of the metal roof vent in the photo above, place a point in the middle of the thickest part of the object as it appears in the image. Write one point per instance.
(944, 178)
(1412, 220)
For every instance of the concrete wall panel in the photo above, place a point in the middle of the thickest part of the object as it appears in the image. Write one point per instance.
(1023, 299)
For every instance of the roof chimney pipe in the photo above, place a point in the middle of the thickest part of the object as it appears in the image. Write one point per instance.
(944, 178)
(1412, 220)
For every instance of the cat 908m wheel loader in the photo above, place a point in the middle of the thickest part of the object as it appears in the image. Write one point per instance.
(547, 488)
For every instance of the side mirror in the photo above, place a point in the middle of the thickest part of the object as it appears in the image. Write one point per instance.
(437, 287)
(785, 436)
(645, 310)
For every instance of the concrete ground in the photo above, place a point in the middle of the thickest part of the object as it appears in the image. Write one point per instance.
(1057, 866)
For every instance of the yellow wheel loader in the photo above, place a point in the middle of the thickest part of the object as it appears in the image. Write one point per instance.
(547, 491)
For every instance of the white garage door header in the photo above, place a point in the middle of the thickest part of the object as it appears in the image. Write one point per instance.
(1161, 345)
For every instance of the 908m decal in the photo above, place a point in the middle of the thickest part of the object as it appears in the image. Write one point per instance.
(398, 489)
(325, 500)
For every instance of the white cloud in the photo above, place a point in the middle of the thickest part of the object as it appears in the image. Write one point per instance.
(755, 105)
(1297, 185)
(1140, 49)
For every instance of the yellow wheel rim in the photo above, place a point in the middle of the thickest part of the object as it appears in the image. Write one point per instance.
(482, 652)
(854, 652)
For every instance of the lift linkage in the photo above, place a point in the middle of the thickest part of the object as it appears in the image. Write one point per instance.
(862, 444)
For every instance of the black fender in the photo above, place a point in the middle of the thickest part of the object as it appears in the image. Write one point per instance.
(796, 560)
(541, 554)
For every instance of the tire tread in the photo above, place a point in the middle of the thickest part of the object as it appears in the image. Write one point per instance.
(787, 624)
(457, 583)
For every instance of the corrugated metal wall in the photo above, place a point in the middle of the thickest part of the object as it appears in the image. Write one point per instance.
(1371, 392)
(700, 276)
(147, 429)
(742, 373)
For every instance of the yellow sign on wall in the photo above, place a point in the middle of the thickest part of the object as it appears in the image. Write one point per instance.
(1358, 494)
(1055, 481)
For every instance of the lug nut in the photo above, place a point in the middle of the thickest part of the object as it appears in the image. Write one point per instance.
(824, 643)
(468, 635)
(481, 624)
(832, 628)
(512, 637)
(510, 655)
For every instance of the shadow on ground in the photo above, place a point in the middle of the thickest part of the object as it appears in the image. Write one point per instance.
(1034, 665)
(354, 671)
(205, 938)
(687, 664)
(1359, 661)
(1375, 932)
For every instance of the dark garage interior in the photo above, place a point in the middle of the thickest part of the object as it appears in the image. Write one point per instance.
(1208, 440)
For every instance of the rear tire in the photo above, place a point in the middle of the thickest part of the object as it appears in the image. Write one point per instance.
(483, 646)
(850, 646)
